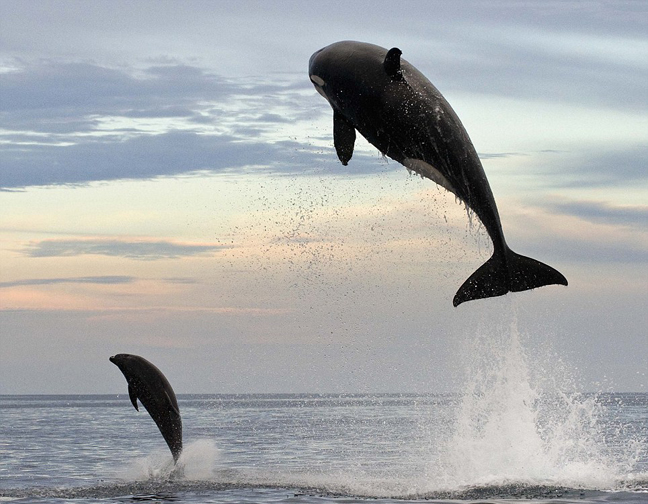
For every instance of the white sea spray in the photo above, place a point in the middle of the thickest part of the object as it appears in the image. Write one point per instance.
(522, 421)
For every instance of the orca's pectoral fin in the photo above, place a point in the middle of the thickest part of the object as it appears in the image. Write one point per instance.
(343, 137)
(496, 277)
(133, 396)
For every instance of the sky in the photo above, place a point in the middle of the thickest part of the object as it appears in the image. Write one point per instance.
(169, 188)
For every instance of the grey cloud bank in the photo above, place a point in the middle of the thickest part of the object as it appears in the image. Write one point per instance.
(56, 132)
(143, 157)
(56, 108)
(577, 51)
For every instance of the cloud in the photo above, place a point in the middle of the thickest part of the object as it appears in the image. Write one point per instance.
(603, 232)
(583, 231)
(78, 123)
(584, 167)
(498, 155)
(588, 52)
(605, 213)
(181, 280)
(139, 250)
(53, 90)
(143, 157)
(597, 168)
(61, 97)
(526, 66)
(528, 51)
(593, 249)
(105, 280)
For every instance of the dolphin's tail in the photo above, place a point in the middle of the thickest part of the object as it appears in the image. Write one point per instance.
(173, 437)
(508, 272)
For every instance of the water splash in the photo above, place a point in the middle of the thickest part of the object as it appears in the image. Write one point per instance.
(198, 462)
(520, 421)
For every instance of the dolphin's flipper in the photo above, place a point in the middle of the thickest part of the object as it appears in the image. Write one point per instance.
(171, 405)
(496, 277)
(133, 396)
(344, 136)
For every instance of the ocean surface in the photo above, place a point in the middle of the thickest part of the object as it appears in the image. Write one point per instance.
(315, 448)
(514, 434)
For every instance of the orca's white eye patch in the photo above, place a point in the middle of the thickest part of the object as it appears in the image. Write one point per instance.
(317, 80)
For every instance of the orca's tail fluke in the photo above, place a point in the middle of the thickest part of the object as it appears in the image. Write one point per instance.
(508, 272)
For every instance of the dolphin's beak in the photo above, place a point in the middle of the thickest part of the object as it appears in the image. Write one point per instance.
(112, 359)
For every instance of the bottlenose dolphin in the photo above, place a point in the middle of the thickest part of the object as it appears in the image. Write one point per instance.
(147, 383)
(405, 117)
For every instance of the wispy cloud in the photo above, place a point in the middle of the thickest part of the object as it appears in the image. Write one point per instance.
(585, 231)
(181, 280)
(588, 248)
(605, 213)
(138, 250)
(106, 280)
(599, 167)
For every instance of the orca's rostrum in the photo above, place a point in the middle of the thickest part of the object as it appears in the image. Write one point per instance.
(399, 111)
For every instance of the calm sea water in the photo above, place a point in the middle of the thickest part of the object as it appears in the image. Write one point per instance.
(315, 448)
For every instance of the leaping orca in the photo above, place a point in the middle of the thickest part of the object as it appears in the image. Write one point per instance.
(398, 110)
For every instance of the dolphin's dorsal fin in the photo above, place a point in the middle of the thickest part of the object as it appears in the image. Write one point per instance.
(343, 137)
(392, 64)
(171, 405)
(133, 396)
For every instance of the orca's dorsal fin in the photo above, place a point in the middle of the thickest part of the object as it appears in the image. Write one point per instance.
(392, 64)
(133, 396)
(344, 136)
